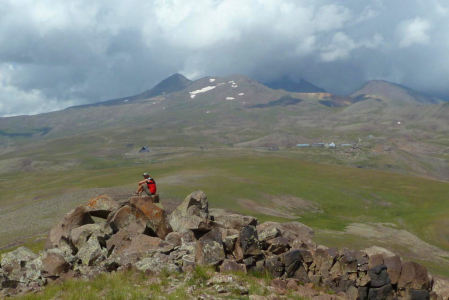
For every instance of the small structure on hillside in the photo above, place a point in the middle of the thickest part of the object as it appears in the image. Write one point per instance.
(332, 145)
(302, 145)
(144, 149)
(273, 148)
(318, 145)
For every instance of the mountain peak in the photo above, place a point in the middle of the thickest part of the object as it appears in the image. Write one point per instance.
(398, 94)
(303, 86)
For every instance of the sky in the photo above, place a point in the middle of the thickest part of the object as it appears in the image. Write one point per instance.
(56, 54)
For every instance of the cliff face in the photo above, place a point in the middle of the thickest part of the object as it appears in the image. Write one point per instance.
(138, 233)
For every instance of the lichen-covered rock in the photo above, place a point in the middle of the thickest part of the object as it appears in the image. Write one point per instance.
(61, 232)
(278, 245)
(142, 244)
(209, 249)
(156, 217)
(101, 206)
(13, 262)
(292, 260)
(90, 251)
(247, 243)
(192, 213)
(232, 266)
(274, 266)
(156, 264)
(80, 235)
(174, 238)
(323, 261)
(233, 221)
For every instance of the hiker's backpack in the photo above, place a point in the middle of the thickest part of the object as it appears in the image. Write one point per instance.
(151, 185)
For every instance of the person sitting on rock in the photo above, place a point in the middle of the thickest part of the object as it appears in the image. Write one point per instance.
(148, 185)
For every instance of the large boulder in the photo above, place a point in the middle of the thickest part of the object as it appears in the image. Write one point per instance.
(209, 249)
(54, 264)
(128, 218)
(142, 244)
(157, 219)
(247, 243)
(80, 235)
(394, 268)
(414, 276)
(59, 235)
(231, 220)
(14, 262)
(91, 251)
(298, 234)
(157, 263)
(192, 213)
(101, 206)
(379, 276)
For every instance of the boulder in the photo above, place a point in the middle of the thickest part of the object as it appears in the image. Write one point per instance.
(274, 266)
(157, 219)
(128, 218)
(307, 257)
(142, 244)
(441, 286)
(268, 234)
(80, 235)
(146, 198)
(292, 260)
(323, 261)
(301, 275)
(101, 206)
(54, 264)
(13, 262)
(59, 235)
(232, 266)
(232, 221)
(247, 243)
(174, 238)
(90, 251)
(362, 261)
(278, 245)
(299, 230)
(414, 276)
(379, 276)
(192, 213)
(380, 293)
(412, 294)
(375, 260)
(156, 264)
(394, 267)
(348, 261)
(209, 249)
(119, 241)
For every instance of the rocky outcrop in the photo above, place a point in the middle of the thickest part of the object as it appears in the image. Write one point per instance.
(138, 234)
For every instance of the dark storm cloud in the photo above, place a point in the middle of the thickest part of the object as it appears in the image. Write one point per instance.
(58, 54)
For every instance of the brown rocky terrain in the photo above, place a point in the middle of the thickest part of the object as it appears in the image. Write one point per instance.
(110, 235)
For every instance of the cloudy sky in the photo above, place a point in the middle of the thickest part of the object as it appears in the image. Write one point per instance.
(55, 54)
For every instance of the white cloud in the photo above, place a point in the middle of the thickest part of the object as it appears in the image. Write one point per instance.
(414, 31)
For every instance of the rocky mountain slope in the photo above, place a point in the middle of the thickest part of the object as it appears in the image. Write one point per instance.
(302, 86)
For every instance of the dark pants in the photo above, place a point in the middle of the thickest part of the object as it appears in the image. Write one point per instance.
(146, 190)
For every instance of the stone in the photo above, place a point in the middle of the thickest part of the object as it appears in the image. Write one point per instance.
(441, 286)
(248, 242)
(156, 217)
(101, 206)
(268, 234)
(279, 284)
(380, 293)
(292, 285)
(316, 279)
(352, 293)
(61, 232)
(15, 264)
(80, 235)
(379, 276)
(323, 261)
(363, 293)
(229, 243)
(128, 218)
(375, 260)
(54, 264)
(348, 261)
(90, 251)
(209, 249)
(307, 257)
(412, 294)
(232, 266)
(192, 213)
(146, 198)
(362, 261)
(301, 275)
(233, 221)
(142, 244)
(156, 264)
(174, 238)
(299, 230)
(274, 266)
(119, 241)
(292, 261)
(278, 245)
(394, 267)
(414, 276)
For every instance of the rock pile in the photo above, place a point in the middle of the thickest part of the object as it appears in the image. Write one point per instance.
(139, 234)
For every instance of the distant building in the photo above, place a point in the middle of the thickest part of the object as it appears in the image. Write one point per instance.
(346, 145)
(332, 145)
(144, 150)
(318, 145)
(302, 145)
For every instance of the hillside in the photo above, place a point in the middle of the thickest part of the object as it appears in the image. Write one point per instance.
(301, 86)
(397, 94)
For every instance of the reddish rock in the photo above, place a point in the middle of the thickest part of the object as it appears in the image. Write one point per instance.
(141, 244)
(128, 218)
(61, 232)
(101, 206)
(375, 260)
(279, 284)
(119, 241)
(54, 264)
(157, 219)
(152, 198)
(394, 267)
(414, 276)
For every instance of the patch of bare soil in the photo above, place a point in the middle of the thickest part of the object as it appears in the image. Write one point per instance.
(263, 209)
(398, 237)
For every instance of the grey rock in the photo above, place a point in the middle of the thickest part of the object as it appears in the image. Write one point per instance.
(292, 260)
(274, 266)
(232, 266)
(80, 235)
(412, 294)
(379, 276)
(192, 213)
(209, 249)
(414, 276)
(380, 293)
(90, 251)
(174, 238)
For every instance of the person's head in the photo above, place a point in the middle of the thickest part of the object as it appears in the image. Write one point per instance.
(146, 175)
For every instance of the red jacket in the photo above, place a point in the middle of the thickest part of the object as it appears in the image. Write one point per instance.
(151, 185)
